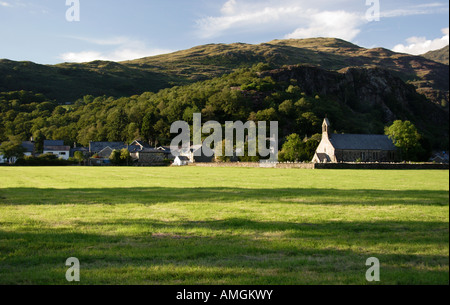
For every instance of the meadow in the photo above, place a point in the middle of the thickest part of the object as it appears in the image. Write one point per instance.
(195, 225)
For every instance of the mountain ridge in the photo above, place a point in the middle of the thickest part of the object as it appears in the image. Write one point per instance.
(441, 55)
(67, 82)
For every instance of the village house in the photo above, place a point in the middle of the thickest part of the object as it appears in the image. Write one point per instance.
(83, 150)
(57, 148)
(148, 156)
(191, 155)
(97, 147)
(167, 151)
(181, 161)
(335, 148)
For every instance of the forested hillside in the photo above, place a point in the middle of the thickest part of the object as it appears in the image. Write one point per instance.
(355, 100)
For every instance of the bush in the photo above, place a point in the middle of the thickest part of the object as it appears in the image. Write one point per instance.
(44, 160)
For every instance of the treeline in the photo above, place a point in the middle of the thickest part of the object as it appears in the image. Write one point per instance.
(241, 95)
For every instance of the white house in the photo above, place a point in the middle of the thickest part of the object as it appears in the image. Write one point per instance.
(57, 148)
(181, 161)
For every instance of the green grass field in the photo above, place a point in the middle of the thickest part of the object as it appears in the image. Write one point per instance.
(223, 225)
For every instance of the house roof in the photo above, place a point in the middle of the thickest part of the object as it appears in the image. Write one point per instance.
(140, 143)
(362, 142)
(164, 148)
(53, 143)
(106, 152)
(56, 148)
(151, 151)
(134, 148)
(29, 146)
(95, 147)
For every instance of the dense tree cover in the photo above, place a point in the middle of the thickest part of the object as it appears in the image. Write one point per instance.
(295, 149)
(408, 139)
(241, 95)
(12, 149)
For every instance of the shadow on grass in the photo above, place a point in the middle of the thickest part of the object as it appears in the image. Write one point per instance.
(192, 252)
(155, 195)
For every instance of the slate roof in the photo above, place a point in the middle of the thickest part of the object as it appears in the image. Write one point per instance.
(362, 142)
(105, 152)
(95, 147)
(134, 148)
(140, 143)
(29, 146)
(56, 148)
(151, 150)
(53, 143)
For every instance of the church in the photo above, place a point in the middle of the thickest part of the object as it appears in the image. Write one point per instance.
(336, 148)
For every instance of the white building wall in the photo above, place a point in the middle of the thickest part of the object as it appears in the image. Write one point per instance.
(60, 154)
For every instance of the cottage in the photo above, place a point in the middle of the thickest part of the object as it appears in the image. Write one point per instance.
(57, 148)
(167, 151)
(96, 147)
(105, 153)
(191, 155)
(336, 148)
(440, 157)
(148, 156)
(181, 161)
(140, 144)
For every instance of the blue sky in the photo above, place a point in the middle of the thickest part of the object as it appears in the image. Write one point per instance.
(37, 30)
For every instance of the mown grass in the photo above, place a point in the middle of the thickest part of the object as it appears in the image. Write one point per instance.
(223, 226)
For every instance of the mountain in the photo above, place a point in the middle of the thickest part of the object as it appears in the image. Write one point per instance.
(369, 99)
(68, 82)
(356, 100)
(440, 55)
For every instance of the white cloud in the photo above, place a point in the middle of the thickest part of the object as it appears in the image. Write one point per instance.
(422, 45)
(125, 49)
(5, 4)
(229, 7)
(302, 18)
(413, 10)
(338, 24)
(245, 19)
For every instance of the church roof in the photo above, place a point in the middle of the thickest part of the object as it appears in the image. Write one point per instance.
(362, 142)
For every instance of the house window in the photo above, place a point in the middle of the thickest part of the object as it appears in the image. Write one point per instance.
(62, 153)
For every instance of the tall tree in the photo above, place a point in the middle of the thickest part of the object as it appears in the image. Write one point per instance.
(117, 122)
(12, 149)
(406, 137)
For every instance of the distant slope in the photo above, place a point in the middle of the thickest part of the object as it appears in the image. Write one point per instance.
(441, 55)
(67, 82)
